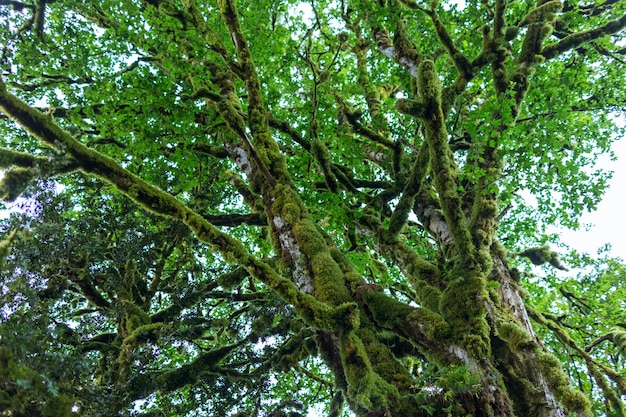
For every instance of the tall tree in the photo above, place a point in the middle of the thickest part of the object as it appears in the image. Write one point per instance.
(275, 207)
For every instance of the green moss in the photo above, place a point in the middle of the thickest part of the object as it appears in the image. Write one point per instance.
(135, 317)
(515, 335)
(323, 158)
(428, 82)
(510, 33)
(462, 307)
(328, 279)
(139, 334)
(5, 247)
(232, 279)
(572, 399)
(432, 324)
(14, 183)
(364, 386)
(386, 311)
(421, 272)
(9, 157)
(383, 361)
(308, 237)
(544, 13)
(349, 273)
(429, 296)
(411, 107)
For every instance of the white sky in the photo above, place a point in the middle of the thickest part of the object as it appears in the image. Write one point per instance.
(608, 223)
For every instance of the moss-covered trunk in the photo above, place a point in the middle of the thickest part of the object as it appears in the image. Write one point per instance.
(459, 340)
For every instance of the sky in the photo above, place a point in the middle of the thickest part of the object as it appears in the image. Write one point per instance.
(608, 223)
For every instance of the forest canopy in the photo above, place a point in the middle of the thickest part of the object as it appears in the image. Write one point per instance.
(291, 208)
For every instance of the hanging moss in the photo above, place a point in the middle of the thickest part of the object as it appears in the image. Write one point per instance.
(14, 183)
(231, 280)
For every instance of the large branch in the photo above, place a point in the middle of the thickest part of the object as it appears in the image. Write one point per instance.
(577, 39)
(442, 163)
(160, 202)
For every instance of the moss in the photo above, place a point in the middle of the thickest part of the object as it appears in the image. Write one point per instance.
(135, 317)
(441, 159)
(428, 82)
(542, 255)
(5, 247)
(364, 386)
(421, 272)
(429, 296)
(14, 183)
(515, 335)
(572, 399)
(432, 324)
(324, 160)
(58, 406)
(544, 13)
(510, 33)
(139, 334)
(10, 157)
(232, 279)
(308, 237)
(387, 312)
(383, 361)
(462, 307)
(411, 107)
(328, 279)
(349, 273)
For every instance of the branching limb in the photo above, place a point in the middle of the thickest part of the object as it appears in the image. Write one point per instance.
(577, 39)
(462, 64)
(400, 50)
(592, 364)
(411, 189)
(442, 164)
(152, 198)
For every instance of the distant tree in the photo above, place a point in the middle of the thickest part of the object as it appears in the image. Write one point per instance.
(291, 208)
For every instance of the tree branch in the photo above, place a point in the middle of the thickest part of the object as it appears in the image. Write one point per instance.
(580, 38)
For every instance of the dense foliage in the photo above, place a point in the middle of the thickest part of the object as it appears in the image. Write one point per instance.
(282, 207)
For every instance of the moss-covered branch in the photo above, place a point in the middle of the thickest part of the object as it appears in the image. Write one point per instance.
(266, 147)
(442, 163)
(23, 169)
(462, 64)
(232, 220)
(566, 339)
(577, 39)
(158, 201)
(400, 50)
(418, 171)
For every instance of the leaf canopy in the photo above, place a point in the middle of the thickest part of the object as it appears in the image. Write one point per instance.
(290, 207)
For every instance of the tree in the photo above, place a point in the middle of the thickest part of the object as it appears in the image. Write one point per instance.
(272, 207)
